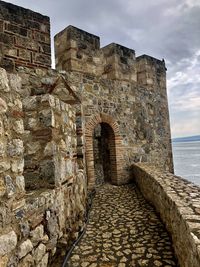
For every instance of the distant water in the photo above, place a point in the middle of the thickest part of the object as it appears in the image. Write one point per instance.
(187, 160)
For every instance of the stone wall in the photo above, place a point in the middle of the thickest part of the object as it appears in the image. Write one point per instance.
(178, 203)
(50, 144)
(124, 91)
(139, 118)
(36, 224)
(77, 50)
(24, 38)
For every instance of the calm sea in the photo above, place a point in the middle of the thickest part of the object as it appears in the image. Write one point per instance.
(187, 160)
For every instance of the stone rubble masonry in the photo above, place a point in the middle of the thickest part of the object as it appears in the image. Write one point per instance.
(37, 151)
(77, 50)
(24, 38)
(50, 146)
(178, 203)
(130, 96)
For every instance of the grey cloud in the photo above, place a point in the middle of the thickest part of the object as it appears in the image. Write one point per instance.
(172, 37)
(167, 29)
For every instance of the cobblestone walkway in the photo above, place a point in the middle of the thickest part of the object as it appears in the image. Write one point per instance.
(123, 231)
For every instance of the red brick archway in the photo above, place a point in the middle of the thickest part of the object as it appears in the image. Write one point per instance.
(90, 125)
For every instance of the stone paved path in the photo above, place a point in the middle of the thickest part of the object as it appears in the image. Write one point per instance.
(123, 231)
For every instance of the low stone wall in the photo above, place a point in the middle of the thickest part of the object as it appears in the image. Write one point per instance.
(178, 203)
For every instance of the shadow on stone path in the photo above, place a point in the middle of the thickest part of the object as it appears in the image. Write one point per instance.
(123, 231)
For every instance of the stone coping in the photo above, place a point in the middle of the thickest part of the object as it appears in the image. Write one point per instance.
(178, 203)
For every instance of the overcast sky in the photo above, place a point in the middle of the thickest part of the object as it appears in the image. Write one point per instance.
(167, 29)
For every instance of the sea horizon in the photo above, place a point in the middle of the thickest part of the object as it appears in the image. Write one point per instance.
(186, 157)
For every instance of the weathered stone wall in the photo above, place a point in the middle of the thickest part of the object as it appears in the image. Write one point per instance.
(24, 38)
(50, 144)
(112, 82)
(77, 50)
(178, 203)
(42, 130)
(11, 164)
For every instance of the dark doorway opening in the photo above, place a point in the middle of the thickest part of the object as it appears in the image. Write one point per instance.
(104, 154)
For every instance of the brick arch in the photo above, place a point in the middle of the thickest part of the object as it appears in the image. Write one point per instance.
(89, 130)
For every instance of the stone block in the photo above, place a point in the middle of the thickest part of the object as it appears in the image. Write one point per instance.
(39, 253)
(17, 30)
(30, 103)
(2, 149)
(24, 54)
(27, 261)
(50, 149)
(15, 148)
(33, 148)
(10, 52)
(20, 183)
(24, 228)
(8, 243)
(17, 165)
(41, 37)
(37, 234)
(42, 59)
(6, 39)
(46, 118)
(8, 64)
(3, 261)
(4, 166)
(44, 261)
(4, 81)
(18, 126)
(2, 188)
(27, 43)
(25, 248)
(10, 187)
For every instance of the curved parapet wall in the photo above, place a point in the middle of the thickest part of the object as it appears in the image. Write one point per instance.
(178, 202)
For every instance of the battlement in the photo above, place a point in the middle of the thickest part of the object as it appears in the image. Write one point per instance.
(85, 40)
(119, 62)
(77, 50)
(24, 38)
(151, 71)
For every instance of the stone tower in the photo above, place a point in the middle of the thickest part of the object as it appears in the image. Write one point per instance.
(124, 92)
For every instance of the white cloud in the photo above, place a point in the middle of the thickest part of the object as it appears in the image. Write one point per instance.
(192, 3)
(179, 128)
(184, 85)
(189, 102)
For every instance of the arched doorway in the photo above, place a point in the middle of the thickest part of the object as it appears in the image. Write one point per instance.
(104, 154)
(110, 127)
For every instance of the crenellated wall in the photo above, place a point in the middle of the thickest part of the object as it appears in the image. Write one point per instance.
(113, 82)
(24, 38)
(77, 50)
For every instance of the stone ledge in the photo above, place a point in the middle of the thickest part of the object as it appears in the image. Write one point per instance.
(178, 203)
